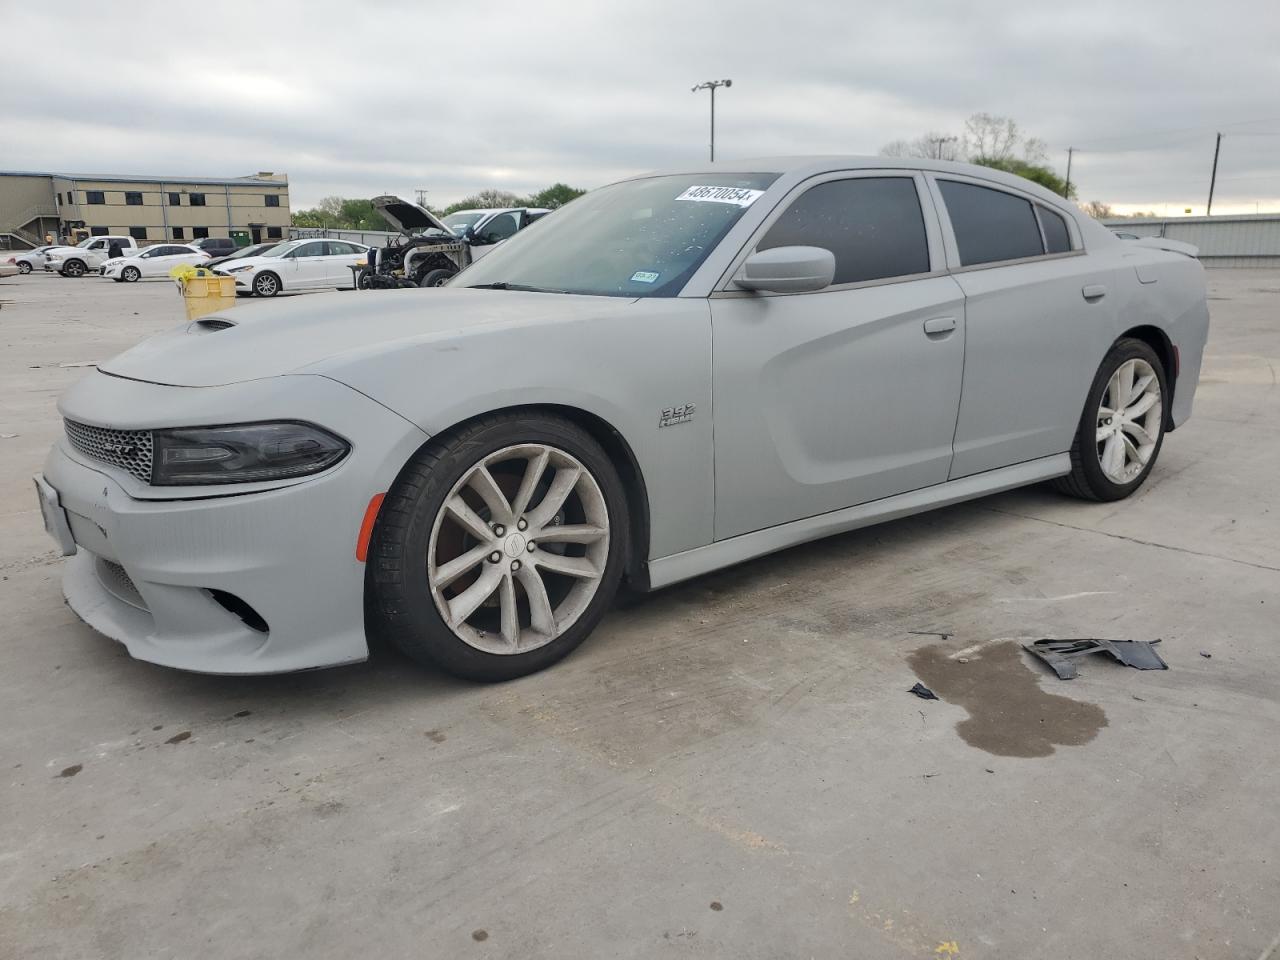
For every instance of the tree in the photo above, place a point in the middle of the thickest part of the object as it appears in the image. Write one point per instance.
(1032, 171)
(932, 145)
(488, 199)
(556, 195)
(988, 137)
(1097, 209)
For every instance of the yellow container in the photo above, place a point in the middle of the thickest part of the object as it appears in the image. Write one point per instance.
(206, 293)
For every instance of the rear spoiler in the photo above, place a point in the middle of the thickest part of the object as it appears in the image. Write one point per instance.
(1173, 246)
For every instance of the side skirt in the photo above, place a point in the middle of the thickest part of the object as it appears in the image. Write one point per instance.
(724, 553)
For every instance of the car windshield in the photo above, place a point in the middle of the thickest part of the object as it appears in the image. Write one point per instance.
(457, 222)
(86, 241)
(279, 250)
(638, 238)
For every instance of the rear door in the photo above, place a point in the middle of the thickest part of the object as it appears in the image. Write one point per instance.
(340, 257)
(1037, 313)
(830, 399)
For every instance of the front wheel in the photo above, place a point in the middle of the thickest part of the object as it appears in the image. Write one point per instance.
(1122, 427)
(23, 267)
(73, 268)
(130, 274)
(499, 548)
(436, 278)
(266, 285)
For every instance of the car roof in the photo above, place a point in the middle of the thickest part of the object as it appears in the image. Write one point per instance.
(796, 169)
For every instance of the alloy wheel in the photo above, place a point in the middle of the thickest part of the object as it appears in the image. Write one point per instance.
(1130, 419)
(518, 549)
(74, 268)
(24, 268)
(266, 285)
(130, 274)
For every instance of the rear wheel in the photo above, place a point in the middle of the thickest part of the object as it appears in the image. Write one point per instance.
(73, 268)
(1122, 427)
(435, 278)
(500, 547)
(130, 274)
(266, 285)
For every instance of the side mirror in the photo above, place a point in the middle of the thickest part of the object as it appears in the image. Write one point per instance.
(787, 270)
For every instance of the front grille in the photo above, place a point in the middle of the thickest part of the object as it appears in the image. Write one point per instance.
(130, 450)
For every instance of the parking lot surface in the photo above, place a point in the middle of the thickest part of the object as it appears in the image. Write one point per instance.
(729, 768)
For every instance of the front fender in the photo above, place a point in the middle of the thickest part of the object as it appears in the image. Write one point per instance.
(624, 366)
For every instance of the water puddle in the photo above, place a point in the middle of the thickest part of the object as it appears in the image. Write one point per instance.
(1010, 714)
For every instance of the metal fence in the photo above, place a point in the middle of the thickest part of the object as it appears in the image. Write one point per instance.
(1246, 240)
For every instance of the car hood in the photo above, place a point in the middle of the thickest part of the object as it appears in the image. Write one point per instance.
(409, 218)
(320, 333)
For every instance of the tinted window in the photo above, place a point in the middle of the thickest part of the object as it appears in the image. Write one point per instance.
(1056, 238)
(138, 233)
(273, 200)
(195, 199)
(98, 231)
(179, 233)
(273, 233)
(990, 225)
(499, 228)
(873, 225)
(95, 196)
(310, 250)
(200, 232)
(133, 199)
(338, 248)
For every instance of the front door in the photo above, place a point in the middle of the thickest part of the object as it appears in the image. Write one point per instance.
(309, 265)
(830, 399)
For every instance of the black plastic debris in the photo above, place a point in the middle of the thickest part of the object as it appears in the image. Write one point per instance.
(1206, 654)
(923, 692)
(1061, 655)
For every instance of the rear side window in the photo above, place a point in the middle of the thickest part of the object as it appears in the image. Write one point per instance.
(1056, 237)
(990, 225)
(873, 225)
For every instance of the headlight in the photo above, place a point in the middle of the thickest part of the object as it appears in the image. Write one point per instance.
(243, 453)
(247, 266)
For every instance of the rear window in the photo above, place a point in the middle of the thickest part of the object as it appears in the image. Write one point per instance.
(1056, 237)
(873, 225)
(990, 225)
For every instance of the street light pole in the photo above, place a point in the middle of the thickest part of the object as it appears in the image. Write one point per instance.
(711, 85)
(1213, 177)
(1066, 187)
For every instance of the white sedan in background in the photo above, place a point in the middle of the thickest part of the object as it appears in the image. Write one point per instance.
(314, 264)
(154, 261)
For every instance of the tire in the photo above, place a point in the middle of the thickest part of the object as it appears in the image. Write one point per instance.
(364, 279)
(73, 268)
(130, 274)
(266, 284)
(409, 592)
(434, 278)
(23, 267)
(1094, 474)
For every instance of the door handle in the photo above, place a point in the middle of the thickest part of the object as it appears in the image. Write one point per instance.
(1093, 291)
(939, 325)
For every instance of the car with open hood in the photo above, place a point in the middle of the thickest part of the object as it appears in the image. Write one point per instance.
(675, 373)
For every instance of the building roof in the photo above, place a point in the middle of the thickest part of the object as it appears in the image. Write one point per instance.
(124, 178)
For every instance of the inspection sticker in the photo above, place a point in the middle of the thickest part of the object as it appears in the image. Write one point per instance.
(739, 196)
(644, 276)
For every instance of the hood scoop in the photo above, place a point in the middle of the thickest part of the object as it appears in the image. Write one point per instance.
(210, 325)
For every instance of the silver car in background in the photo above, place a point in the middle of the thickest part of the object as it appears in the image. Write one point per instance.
(668, 376)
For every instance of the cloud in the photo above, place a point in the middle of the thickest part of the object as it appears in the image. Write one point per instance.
(391, 96)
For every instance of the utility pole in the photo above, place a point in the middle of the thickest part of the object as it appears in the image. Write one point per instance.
(938, 142)
(1213, 177)
(711, 85)
(1066, 188)
(422, 195)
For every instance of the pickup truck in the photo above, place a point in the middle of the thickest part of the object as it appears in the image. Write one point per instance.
(87, 255)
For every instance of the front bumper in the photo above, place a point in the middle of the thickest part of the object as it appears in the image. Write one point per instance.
(172, 579)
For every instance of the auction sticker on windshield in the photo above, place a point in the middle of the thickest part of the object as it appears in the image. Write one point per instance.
(739, 196)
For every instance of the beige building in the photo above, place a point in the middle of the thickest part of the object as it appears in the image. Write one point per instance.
(69, 207)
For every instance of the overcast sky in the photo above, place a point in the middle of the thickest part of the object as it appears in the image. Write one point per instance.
(363, 98)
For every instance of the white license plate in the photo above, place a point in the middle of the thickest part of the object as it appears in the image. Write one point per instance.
(55, 517)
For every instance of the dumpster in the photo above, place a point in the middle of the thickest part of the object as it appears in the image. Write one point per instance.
(203, 291)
